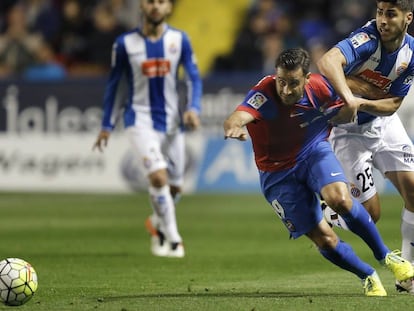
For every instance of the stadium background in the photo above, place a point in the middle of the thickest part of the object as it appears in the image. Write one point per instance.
(51, 101)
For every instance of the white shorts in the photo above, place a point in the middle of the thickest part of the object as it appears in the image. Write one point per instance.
(156, 150)
(382, 143)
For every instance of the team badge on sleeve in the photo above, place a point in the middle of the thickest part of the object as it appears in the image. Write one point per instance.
(257, 100)
(359, 39)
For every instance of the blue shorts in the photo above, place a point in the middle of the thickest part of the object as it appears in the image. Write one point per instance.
(293, 193)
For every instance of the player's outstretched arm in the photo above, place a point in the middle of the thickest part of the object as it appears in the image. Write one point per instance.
(101, 140)
(234, 125)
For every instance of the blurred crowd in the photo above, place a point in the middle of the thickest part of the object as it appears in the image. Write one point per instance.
(53, 39)
(273, 25)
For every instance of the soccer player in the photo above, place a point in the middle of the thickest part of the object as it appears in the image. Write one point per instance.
(287, 116)
(381, 53)
(143, 82)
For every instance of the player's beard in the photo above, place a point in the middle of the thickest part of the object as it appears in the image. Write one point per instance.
(395, 37)
(289, 100)
(155, 21)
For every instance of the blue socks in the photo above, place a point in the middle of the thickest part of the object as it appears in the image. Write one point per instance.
(359, 222)
(344, 256)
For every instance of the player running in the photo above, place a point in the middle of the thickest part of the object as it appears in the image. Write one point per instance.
(143, 82)
(287, 118)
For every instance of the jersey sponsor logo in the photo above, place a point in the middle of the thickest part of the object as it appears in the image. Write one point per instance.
(408, 155)
(408, 80)
(257, 100)
(375, 78)
(359, 39)
(156, 67)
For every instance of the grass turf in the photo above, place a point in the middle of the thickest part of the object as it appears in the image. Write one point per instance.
(91, 252)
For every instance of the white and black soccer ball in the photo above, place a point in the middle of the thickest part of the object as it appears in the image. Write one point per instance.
(18, 281)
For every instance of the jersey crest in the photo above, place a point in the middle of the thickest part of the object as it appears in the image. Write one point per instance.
(401, 68)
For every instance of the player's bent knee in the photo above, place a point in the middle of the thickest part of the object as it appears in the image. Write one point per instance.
(158, 179)
(158, 183)
(340, 203)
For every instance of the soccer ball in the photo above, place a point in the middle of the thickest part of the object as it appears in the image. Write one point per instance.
(18, 281)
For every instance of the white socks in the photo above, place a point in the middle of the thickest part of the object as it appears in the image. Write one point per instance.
(164, 208)
(407, 233)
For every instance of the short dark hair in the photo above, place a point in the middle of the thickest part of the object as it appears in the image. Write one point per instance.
(403, 5)
(294, 58)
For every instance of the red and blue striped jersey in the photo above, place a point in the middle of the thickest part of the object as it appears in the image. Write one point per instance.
(284, 135)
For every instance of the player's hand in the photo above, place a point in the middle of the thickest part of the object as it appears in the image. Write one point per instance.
(101, 140)
(234, 125)
(235, 133)
(346, 114)
(191, 120)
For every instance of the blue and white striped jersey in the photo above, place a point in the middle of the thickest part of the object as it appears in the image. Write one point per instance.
(367, 59)
(143, 81)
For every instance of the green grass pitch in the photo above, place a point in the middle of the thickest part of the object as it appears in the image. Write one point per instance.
(91, 252)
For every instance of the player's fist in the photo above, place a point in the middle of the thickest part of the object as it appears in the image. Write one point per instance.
(191, 120)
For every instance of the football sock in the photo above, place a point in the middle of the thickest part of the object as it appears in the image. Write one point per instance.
(407, 233)
(155, 220)
(163, 205)
(359, 222)
(344, 257)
